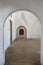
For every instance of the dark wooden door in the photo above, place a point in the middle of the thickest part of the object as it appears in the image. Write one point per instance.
(21, 32)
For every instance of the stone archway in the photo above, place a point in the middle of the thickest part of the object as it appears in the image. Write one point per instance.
(21, 32)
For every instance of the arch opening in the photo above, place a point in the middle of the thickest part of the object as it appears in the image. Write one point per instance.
(24, 25)
(21, 32)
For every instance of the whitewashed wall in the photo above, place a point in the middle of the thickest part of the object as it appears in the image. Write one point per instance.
(3, 15)
(7, 6)
(6, 34)
(13, 31)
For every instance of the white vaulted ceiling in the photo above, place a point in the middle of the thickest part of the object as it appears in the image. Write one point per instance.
(27, 19)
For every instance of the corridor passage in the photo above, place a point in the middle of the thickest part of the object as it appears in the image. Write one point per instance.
(23, 52)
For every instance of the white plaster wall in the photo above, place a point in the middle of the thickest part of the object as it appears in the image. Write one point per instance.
(6, 34)
(13, 31)
(2, 58)
(3, 15)
(7, 6)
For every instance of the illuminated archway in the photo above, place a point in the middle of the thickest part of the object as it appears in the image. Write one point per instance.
(21, 32)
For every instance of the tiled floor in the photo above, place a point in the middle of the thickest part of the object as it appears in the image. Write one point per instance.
(23, 52)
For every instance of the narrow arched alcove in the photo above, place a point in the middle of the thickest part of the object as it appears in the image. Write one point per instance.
(21, 32)
(22, 24)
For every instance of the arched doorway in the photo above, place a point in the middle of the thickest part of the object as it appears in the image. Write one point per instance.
(21, 32)
(30, 28)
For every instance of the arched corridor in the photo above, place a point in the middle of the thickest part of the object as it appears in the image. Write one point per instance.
(22, 32)
(15, 14)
